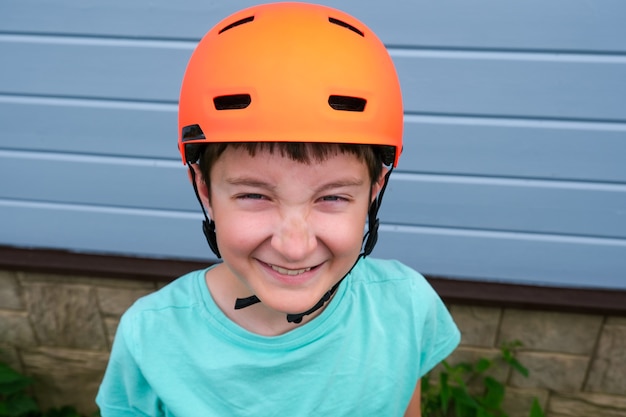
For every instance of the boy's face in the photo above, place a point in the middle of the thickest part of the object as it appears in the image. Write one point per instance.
(288, 231)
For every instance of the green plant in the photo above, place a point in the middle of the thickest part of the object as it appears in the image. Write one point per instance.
(15, 400)
(467, 389)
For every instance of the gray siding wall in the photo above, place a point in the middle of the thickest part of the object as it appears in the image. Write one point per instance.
(515, 135)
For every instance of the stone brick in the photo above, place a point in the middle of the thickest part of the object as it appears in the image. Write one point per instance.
(518, 402)
(551, 331)
(608, 368)
(65, 316)
(15, 329)
(111, 327)
(10, 356)
(66, 377)
(10, 295)
(42, 278)
(478, 325)
(115, 301)
(552, 371)
(585, 405)
(616, 320)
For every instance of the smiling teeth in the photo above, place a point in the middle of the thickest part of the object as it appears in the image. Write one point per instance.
(290, 271)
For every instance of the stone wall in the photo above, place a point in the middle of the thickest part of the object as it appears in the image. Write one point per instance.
(59, 329)
(576, 362)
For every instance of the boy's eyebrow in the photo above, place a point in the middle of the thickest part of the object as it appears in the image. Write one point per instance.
(250, 182)
(356, 182)
(255, 182)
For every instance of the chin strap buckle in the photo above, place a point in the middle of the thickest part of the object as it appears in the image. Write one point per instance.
(297, 318)
(246, 302)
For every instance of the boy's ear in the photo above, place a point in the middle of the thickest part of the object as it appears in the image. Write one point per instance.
(201, 186)
(378, 185)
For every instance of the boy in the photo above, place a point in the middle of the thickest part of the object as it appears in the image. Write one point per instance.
(290, 121)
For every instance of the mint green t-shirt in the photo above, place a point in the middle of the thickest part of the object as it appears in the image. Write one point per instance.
(177, 354)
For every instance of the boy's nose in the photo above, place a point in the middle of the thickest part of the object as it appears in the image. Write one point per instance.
(294, 239)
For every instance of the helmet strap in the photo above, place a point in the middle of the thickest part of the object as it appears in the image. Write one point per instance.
(371, 237)
(208, 225)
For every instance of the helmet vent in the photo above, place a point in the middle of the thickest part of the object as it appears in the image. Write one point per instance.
(232, 102)
(347, 103)
(237, 23)
(345, 25)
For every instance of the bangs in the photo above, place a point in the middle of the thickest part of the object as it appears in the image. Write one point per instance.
(303, 152)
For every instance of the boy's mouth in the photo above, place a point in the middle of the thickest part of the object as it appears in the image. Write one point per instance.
(291, 272)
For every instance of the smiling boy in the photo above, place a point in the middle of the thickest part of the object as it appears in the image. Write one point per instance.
(290, 120)
(291, 230)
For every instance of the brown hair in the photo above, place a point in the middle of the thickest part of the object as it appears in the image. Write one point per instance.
(298, 151)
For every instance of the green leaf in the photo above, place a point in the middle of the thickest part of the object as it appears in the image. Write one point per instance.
(508, 354)
(536, 410)
(495, 393)
(462, 396)
(482, 365)
(11, 381)
(515, 364)
(484, 413)
(10, 376)
(463, 410)
(62, 412)
(464, 368)
(508, 349)
(444, 393)
(13, 388)
(426, 386)
(18, 405)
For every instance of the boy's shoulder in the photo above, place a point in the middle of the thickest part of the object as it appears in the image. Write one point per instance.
(390, 277)
(406, 296)
(180, 293)
(383, 270)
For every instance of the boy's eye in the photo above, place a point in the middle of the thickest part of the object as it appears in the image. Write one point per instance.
(333, 198)
(251, 196)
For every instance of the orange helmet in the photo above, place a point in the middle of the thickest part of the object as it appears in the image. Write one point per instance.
(290, 72)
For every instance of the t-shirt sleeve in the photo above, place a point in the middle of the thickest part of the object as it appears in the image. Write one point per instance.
(440, 335)
(124, 390)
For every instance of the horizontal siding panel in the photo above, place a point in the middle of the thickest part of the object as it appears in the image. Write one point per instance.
(93, 229)
(444, 201)
(536, 85)
(100, 181)
(142, 130)
(441, 83)
(502, 204)
(506, 257)
(515, 148)
(532, 24)
(440, 145)
(67, 67)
